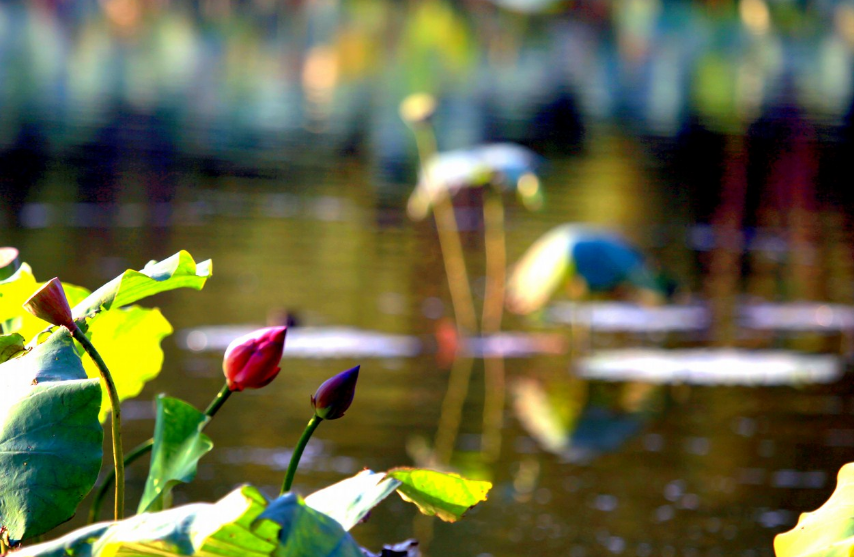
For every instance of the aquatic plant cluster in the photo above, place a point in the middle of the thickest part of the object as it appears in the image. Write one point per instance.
(52, 378)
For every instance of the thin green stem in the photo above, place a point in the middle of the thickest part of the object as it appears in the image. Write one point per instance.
(218, 401)
(145, 448)
(297, 454)
(115, 407)
(101, 492)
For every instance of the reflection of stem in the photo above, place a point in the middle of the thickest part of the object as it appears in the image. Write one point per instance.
(449, 238)
(723, 274)
(452, 409)
(143, 449)
(297, 454)
(493, 308)
(115, 407)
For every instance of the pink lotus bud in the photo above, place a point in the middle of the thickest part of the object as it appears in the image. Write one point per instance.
(252, 361)
(50, 304)
(335, 395)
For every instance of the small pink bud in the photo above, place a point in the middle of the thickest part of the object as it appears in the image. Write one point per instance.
(50, 304)
(252, 361)
(335, 395)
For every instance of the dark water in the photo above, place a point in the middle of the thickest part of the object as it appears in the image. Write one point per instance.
(268, 140)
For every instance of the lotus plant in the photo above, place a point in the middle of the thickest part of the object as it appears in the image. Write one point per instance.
(53, 439)
(50, 304)
(250, 362)
(332, 399)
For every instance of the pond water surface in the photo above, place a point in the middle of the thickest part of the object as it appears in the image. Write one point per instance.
(585, 467)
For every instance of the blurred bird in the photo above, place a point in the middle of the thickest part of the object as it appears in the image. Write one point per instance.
(506, 166)
(601, 260)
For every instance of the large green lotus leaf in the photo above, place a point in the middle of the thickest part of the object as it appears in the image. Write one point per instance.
(178, 445)
(241, 524)
(15, 290)
(178, 271)
(447, 496)
(50, 437)
(128, 340)
(829, 530)
(307, 532)
(350, 500)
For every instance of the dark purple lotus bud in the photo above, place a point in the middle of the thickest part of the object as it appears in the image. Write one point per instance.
(252, 361)
(335, 395)
(50, 304)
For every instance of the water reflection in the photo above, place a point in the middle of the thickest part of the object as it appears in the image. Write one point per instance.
(712, 367)
(579, 421)
(310, 342)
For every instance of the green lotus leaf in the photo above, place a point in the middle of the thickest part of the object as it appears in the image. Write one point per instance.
(447, 496)
(178, 445)
(350, 500)
(178, 271)
(50, 437)
(242, 524)
(15, 290)
(128, 340)
(827, 531)
(10, 345)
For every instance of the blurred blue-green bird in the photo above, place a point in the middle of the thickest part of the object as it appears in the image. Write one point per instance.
(602, 259)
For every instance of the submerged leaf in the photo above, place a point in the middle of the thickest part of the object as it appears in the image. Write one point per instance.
(128, 340)
(178, 445)
(447, 496)
(178, 271)
(829, 530)
(50, 437)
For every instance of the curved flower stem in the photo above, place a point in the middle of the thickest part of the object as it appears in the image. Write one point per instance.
(143, 449)
(297, 454)
(115, 407)
(98, 499)
(217, 402)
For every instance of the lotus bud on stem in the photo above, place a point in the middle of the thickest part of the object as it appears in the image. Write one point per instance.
(250, 362)
(50, 304)
(331, 400)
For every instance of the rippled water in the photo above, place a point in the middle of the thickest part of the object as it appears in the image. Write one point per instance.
(586, 467)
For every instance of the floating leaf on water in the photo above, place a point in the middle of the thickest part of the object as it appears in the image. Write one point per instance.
(447, 496)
